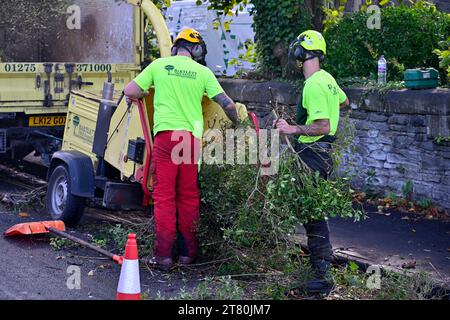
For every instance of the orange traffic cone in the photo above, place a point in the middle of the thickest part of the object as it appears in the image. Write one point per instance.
(129, 283)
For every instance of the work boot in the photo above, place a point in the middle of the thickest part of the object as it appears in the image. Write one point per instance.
(323, 281)
(321, 255)
(162, 263)
(187, 249)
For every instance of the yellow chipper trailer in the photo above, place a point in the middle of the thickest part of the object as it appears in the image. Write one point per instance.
(107, 143)
(49, 48)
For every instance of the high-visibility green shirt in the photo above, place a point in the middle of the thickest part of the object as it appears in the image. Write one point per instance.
(180, 84)
(321, 98)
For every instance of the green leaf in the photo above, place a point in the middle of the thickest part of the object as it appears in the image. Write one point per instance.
(352, 266)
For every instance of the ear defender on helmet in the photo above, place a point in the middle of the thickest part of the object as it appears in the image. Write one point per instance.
(296, 50)
(202, 58)
(308, 45)
(197, 51)
(321, 57)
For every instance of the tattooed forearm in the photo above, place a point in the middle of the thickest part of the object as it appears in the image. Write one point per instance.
(317, 128)
(228, 106)
(223, 99)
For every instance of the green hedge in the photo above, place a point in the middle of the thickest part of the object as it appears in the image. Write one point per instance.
(407, 37)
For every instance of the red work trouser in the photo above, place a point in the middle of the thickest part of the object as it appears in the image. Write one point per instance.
(176, 193)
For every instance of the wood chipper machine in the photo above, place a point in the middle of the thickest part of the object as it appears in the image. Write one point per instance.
(107, 144)
(49, 48)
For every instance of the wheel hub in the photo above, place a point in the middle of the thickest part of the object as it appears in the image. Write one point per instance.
(59, 197)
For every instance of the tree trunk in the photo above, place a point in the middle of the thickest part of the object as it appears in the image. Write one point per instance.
(314, 9)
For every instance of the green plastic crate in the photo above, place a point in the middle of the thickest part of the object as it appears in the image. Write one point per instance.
(424, 78)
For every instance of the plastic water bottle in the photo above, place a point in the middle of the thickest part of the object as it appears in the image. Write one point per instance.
(382, 65)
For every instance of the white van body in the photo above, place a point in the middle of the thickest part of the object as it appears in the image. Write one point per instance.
(222, 46)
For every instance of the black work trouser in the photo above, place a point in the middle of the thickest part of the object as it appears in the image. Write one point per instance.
(317, 157)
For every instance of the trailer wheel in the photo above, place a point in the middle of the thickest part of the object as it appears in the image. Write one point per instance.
(61, 203)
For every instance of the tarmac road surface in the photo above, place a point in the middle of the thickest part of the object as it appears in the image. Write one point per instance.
(30, 269)
(393, 241)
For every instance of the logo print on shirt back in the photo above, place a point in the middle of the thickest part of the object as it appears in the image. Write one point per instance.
(169, 68)
(172, 71)
(333, 89)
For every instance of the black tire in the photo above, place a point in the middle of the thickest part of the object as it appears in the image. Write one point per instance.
(60, 202)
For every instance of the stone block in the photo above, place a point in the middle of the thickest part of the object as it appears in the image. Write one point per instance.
(380, 126)
(442, 194)
(385, 139)
(403, 167)
(423, 189)
(378, 117)
(401, 141)
(396, 158)
(398, 128)
(420, 137)
(430, 161)
(378, 155)
(369, 162)
(418, 121)
(426, 145)
(359, 115)
(431, 178)
(412, 155)
(412, 129)
(362, 150)
(372, 133)
(380, 180)
(374, 146)
(361, 125)
(398, 119)
(445, 180)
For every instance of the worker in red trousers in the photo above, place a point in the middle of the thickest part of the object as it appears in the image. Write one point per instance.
(180, 81)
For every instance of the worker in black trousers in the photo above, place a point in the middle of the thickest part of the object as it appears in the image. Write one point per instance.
(317, 122)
